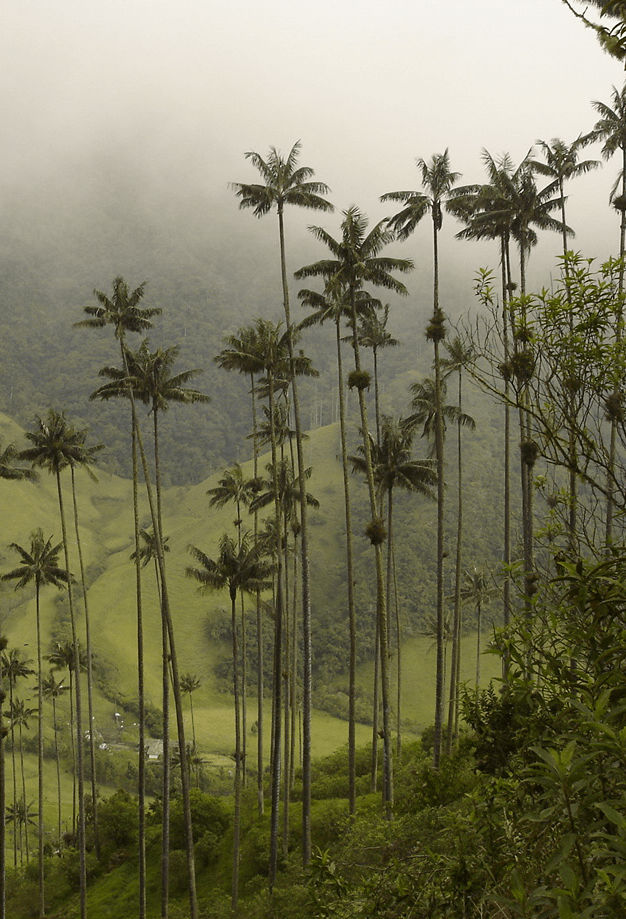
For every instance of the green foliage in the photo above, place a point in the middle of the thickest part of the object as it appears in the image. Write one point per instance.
(210, 816)
(117, 822)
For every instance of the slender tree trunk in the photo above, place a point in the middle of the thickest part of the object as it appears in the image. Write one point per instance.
(479, 625)
(610, 477)
(506, 286)
(381, 605)
(375, 710)
(193, 902)
(82, 864)
(306, 593)
(286, 677)
(277, 664)
(24, 808)
(259, 621)
(40, 827)
(437, 333)
(350, 579)
(391, 578)
(13, 773)
(165, 692)
(456, 624)
(140, 692)
(58, 765)
(237, 813)
(3, 790)
(92, 743)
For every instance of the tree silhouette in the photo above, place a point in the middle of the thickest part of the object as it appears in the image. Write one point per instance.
(356, 262)
(123, 312)
(39, 564)
(286, 183)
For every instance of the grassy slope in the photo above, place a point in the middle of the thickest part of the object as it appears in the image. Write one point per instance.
(106, 527)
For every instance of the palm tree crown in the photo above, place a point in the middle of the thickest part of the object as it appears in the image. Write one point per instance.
(438, 180)
(121, 310)
(57, 445)
(285, 183)
(357, 260)
(38, 564)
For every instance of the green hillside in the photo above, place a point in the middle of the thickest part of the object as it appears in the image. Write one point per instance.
(105, 509)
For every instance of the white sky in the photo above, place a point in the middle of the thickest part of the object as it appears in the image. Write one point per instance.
(185, 88)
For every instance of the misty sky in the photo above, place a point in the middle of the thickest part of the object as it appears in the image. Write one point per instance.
(182, 89)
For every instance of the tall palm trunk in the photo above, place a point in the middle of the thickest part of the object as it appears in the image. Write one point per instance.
(58, 765)
(456, 624)
(304, 546)
(381, 605)
(82, 864)
(185, 777)
(286, 677)
(165, 693)
(40, 828)
(13, 771)
(610, 478)
(259, 619)
(350, 578)
(436, 333)
(141, 771)
(3, 787)
(277, 663)
(506, 287)
(92, 742)
(237, 809)
(24, 813)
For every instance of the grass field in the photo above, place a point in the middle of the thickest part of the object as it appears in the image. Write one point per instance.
(105, 509)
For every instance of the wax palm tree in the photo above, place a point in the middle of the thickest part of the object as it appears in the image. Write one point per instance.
(62, 658)
(20, 714)
(481, 208)
(561, 162)
(83, 458)
(189, 682)
(39, 564)
(239, 569)
(286, 183)
(155, 385)
(459, 356)
(8, 469)
(272, 345)
(234, 487)
(373, 334)
(611, 129)
(432, 414)
(356, 261)
(22, 816)
(335, 307)
(395, 467)
(244, 354)
(53, 689)
(479, 588)
(14, 668)
(123, 312)
(55, 447)
(438, 180)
